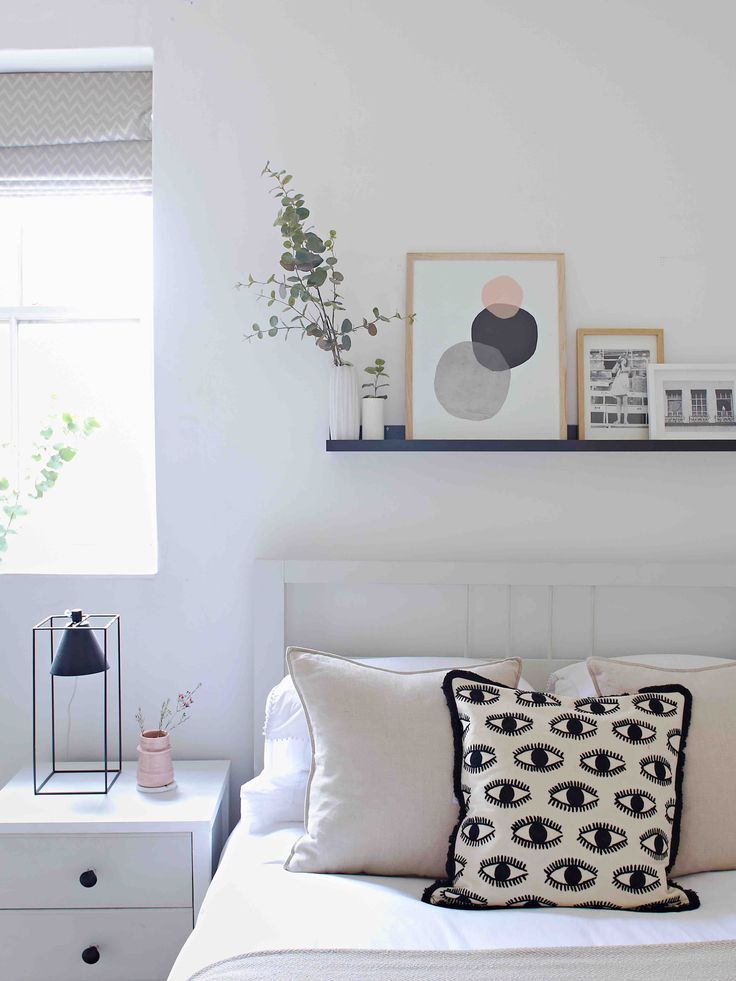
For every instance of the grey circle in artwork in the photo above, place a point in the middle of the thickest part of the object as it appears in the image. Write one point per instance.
(465, 388)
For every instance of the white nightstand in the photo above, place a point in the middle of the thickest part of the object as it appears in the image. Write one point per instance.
(118, 878)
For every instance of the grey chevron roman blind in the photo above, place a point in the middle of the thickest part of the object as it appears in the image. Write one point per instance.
(75, 132)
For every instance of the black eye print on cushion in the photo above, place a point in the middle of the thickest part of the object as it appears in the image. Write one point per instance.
(596, 904)
(572, 795)
(459, 863)
(655, 843)
(670, 809)
(657, 769)
(536, 832)
(538, 757)
(461, 898)
(573, 726)
(528, 902)
(507, 793)
(634, 731)
(502, 871)
(661, 905)
(478, 758)
(597, 706)
(655, 704)
(536, 699)
(602, 838)
(570, 874)
(464, 722)
(636, 878)
(477, 830)
(478, 694)
(602, 763)
(635, 803)
(674, 736)
(509, 723)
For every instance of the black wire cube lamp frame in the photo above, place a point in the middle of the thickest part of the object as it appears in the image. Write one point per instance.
(76, 645)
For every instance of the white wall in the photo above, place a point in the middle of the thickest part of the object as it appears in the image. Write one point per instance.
(597, 129)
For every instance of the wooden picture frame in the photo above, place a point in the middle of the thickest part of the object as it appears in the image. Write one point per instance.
(515, 418)
(621, 414)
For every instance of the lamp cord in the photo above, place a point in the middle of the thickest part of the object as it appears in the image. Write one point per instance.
(69, 718)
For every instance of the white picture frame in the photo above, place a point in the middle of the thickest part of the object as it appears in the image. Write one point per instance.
(494, 380)
(692, 401)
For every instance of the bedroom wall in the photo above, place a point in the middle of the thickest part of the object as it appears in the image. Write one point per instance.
(590, 128)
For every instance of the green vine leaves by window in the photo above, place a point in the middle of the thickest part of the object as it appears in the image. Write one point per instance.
(378, 370)
(307, 290)
(55, 447)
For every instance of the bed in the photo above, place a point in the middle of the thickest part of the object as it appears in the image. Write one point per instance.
(259, 921)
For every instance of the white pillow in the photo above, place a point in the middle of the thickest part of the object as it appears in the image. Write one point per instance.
(380, 798)
(278, 794)
(575, 679)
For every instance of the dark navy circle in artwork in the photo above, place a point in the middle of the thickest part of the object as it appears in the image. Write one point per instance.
(515, 337)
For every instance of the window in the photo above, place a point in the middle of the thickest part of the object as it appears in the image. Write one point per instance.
(75, 351)
(674, 405)
(724, 404)
(699, 403)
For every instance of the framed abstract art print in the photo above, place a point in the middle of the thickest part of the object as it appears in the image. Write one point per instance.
(485, 354)
(613, 398)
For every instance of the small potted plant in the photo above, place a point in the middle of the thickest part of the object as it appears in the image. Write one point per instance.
(155, 765)
(306, 296)
(373, 402)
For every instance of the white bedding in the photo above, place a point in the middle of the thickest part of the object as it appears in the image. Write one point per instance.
(254, 906)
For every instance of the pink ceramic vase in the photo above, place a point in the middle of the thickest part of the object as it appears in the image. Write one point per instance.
(155, 766)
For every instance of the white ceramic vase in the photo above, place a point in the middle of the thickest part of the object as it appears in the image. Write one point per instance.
(373, 418)
(344, 403)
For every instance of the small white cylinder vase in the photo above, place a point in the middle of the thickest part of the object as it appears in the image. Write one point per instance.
(344, 403)
(373, 418)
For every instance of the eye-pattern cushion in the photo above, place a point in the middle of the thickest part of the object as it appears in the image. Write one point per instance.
(565, 802)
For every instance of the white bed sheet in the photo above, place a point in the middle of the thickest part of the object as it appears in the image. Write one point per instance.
(254, 905)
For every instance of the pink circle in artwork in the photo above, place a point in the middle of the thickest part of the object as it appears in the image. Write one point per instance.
(502, 296)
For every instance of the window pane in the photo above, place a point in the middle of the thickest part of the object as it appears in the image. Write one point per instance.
(9, 253)
(99, 516)
(91, 253)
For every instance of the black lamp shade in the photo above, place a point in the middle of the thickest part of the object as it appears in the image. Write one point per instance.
(79, 651)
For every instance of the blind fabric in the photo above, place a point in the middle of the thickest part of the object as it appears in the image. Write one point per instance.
(75, 132)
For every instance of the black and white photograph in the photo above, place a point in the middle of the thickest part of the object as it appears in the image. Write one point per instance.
(612, 382)
(691, 401)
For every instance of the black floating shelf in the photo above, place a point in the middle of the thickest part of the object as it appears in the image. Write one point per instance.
(395, 443)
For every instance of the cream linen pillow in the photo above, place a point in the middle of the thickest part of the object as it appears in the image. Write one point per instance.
(380, 798)
(708, 835)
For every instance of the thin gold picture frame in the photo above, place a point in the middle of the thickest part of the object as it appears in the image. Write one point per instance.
(414, 257)
(583, 332)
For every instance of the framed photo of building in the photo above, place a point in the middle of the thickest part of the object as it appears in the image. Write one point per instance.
(692, 401)
(485, 355)
(612, 380)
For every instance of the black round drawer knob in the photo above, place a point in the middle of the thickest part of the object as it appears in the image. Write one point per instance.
(88, 879)
(90, 955)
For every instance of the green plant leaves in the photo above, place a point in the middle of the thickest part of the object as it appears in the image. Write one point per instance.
(346, 326)
(316, 278)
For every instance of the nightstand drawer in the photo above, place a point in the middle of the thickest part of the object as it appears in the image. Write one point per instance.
(132, 945)
(129, 870)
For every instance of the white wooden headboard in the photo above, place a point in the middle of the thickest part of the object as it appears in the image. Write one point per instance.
(548, 613)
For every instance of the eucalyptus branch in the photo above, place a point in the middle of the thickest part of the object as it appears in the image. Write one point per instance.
(55, 446)
(312, 262)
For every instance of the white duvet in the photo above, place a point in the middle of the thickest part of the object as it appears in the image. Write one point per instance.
(259, 920)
